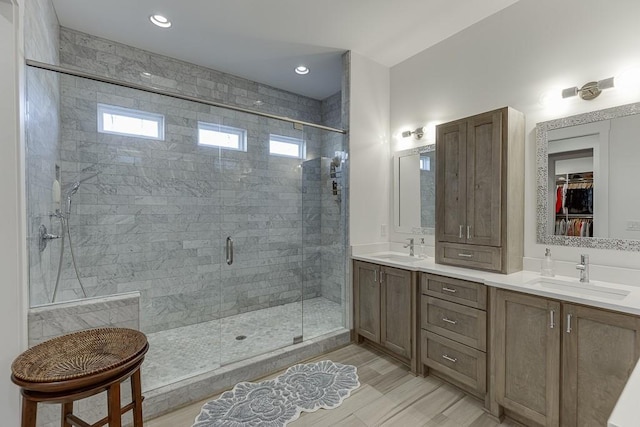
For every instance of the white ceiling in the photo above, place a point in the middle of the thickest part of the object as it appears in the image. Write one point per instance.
(263, 40)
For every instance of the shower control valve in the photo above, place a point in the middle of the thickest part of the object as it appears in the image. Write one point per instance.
(45, 237)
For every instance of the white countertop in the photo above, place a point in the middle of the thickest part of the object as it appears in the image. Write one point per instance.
(569, 289)
(625, 413)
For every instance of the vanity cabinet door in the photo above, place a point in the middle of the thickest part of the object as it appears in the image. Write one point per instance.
(527, 356)
(600, 349)
(484, 168)
(396, 314)
(366, 284)
(451, 189)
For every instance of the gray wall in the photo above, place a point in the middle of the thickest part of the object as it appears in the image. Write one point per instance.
(156, 216)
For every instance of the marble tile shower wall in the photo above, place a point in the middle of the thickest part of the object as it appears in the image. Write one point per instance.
(108, 58)
(41, 43)
(156, 216)
(333, 215)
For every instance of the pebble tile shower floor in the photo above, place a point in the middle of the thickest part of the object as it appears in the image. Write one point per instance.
(180, 353)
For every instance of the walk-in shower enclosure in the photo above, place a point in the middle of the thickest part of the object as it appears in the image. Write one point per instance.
(157, 217)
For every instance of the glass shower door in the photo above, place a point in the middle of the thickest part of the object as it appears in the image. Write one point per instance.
(324, 232)
(261, 238)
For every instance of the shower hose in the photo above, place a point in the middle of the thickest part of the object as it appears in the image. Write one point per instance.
(64, 224)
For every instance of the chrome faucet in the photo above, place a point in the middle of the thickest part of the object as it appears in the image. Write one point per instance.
(410, 245)
(583, 267)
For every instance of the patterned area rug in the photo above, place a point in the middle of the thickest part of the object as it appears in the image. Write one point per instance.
(277, 402)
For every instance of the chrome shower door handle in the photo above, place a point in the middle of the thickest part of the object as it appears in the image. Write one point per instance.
(229, 249)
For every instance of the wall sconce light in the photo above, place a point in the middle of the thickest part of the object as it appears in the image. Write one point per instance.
(419, 133)
(590, 90)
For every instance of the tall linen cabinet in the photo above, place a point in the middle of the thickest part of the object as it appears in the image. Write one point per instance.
(480, 191)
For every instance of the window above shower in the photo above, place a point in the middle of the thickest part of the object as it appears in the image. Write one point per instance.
(214, 135)
(286, 146)
(129, 122)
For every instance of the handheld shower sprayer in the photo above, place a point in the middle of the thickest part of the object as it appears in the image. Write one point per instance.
(72, 189)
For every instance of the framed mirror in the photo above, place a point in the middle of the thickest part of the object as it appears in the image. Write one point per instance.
(414, 207)
(586, 192)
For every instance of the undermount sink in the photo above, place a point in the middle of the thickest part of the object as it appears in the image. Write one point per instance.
(592, 289)
(396, 257)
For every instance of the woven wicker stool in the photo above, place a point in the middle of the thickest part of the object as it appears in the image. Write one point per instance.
(72, 367)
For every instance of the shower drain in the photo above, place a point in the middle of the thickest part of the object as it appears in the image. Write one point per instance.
(241, 337)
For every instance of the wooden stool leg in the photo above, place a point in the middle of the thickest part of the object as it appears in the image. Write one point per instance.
(29, 412)
(67, 409)
(136, 395)
(114, 410)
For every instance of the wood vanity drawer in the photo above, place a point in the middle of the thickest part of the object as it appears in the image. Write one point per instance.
(460, 291)
(474, 256)
(458, 322)
(462, 363)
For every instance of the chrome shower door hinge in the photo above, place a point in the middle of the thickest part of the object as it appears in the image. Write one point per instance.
(297, 339)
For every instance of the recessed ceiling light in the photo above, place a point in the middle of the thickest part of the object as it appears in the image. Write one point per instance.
(160, 21)
(302, 70)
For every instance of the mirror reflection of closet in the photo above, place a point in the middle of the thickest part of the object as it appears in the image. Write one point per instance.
(606, 143)
(576, 169)
(414, 190)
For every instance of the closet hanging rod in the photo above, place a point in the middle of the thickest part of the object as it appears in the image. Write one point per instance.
(573, 181)
(76, 73)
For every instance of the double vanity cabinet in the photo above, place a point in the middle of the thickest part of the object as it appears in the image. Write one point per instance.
(538, 360)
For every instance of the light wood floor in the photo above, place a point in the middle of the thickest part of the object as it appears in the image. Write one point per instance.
(389, 395)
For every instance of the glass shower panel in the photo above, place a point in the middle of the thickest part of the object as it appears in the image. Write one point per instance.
(141, 212)
(261, 208)
(324, 232)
